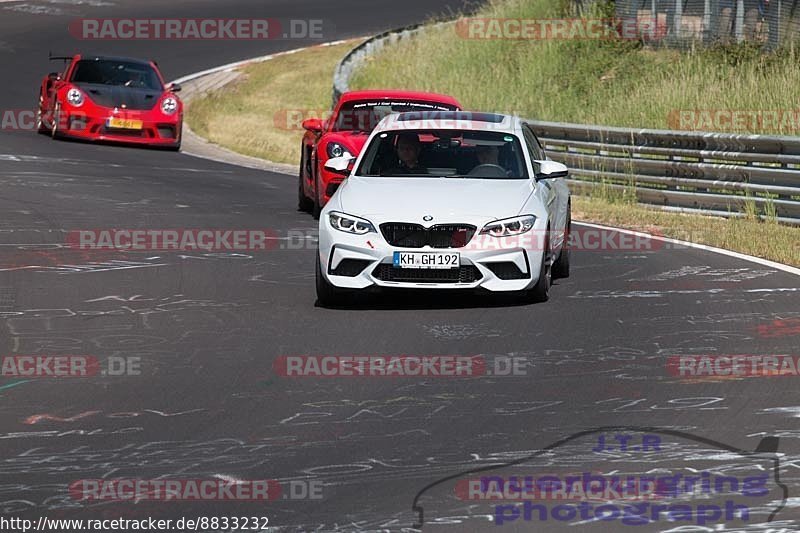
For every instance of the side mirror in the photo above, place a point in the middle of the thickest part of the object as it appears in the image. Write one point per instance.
(53, 76)
(313, 125)
(175, 87)
(340, 165)
(550, 169)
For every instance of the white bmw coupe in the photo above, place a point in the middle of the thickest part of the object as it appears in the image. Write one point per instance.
(446, 200)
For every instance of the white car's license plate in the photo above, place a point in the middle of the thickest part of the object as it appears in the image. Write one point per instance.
(426, 260)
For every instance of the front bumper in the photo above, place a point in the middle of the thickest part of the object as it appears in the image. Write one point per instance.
(359, 262)
(92, 126)
(329, 182)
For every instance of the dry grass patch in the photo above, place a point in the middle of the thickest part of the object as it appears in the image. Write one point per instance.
(767, 240)
(249, 116)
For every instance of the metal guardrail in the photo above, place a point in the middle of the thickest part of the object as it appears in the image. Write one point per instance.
(714, 173)
(708, 173)
(356, 57)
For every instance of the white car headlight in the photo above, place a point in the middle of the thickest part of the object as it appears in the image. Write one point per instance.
(509, 226)
(350, 224)
(75, 97)
(169, 105)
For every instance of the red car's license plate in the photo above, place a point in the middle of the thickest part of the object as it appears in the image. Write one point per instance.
(124, 124)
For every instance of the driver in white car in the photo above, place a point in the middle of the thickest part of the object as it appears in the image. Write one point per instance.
(408, 149)
(488, 154)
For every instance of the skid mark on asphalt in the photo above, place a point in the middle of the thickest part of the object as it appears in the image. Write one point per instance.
(793, 412)
(51, 7)
(716, 319)
(46, 417)
(663, 293)
(62, 259)
(13, 384)
(50, 161)
(722, 275)
(461, 331)
(782, 327)
(88, 268)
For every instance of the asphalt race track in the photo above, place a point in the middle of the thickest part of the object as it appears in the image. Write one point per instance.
(207, 328)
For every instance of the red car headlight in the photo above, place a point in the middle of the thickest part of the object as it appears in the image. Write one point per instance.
(335, 149)
(169, 105)
(75, 97)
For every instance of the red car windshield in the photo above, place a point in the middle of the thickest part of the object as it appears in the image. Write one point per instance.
(118, 73)
(364, 115)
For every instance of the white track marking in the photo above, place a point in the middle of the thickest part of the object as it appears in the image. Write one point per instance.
(261, 59)
(729, 253)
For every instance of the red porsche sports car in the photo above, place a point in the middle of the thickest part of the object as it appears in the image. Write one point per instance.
(111, 99)
(353, 118)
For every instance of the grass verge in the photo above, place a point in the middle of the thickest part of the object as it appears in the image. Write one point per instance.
(610, 82)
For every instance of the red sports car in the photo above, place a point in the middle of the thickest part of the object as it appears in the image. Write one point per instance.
(111, 99)
(354, 117)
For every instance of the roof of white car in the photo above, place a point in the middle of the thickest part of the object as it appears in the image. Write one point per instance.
(448, 120)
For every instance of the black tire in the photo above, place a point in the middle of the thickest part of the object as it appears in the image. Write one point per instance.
(177, 146)
(561, 266)
(40, 125)
(303, 202)
(316, 208)
(56, 119)
(541, 291)
(327, 294)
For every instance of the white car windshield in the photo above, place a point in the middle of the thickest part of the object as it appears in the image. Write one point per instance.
(444, 153)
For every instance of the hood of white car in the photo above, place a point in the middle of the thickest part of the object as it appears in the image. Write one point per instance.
(447, 200)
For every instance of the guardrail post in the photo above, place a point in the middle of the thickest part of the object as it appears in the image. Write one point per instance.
(739, 24)
(715, 21)
(677, 23)
(774, 23)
